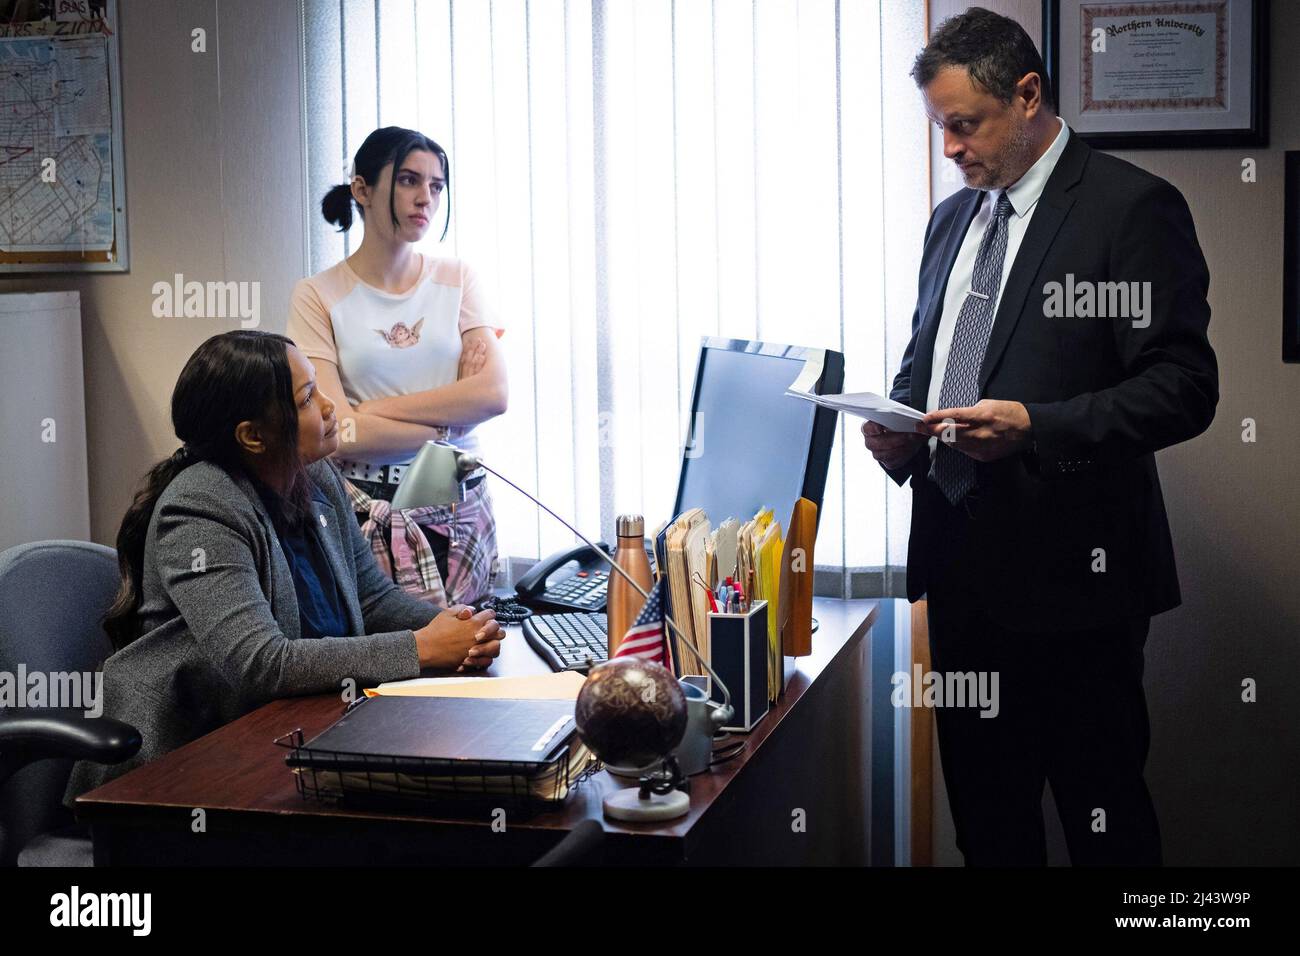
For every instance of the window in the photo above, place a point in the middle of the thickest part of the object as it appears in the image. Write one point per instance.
(630, 176)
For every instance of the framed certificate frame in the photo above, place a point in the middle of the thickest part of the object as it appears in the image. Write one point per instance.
(1151, 74)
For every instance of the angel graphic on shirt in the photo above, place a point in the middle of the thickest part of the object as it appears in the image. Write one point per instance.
(400, 336)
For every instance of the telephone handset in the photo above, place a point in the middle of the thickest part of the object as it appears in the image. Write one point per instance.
(575, 579)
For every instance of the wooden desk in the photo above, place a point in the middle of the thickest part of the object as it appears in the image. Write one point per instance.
(809, 754)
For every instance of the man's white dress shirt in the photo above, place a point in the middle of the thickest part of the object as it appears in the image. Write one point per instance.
(1024, 199)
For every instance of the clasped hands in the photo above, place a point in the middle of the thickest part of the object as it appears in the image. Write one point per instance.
(458, 636)
(986, 431)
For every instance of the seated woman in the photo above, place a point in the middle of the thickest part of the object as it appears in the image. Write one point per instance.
(245, 577)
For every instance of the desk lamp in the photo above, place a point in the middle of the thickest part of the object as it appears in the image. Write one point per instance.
(436, 479)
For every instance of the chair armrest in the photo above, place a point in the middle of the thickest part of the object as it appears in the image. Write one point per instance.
(581, 846)
(30, 735)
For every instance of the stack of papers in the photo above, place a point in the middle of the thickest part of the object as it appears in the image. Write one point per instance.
(721, 551)
(562, 686)
(687, 543)
(885, 412)
(761, 546)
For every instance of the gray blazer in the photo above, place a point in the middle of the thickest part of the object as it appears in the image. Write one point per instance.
(219, 614)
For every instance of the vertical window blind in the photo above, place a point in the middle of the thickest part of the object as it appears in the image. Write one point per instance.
(629, 176)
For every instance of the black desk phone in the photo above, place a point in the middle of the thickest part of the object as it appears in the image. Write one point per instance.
(575, 579)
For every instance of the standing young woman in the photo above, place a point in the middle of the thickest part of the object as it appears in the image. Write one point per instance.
(407, 346)
(244, 576)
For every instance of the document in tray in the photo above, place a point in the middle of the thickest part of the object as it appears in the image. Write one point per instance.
(562, 686)
(886, 412)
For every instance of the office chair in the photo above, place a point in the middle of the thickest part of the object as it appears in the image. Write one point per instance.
(584, 845)
(53, 596)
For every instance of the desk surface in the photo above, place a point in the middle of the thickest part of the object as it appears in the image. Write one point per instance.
(237, 774)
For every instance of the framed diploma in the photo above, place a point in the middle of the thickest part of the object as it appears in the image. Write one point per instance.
(1160, 73)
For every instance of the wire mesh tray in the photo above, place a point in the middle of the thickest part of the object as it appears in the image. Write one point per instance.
(369, 780)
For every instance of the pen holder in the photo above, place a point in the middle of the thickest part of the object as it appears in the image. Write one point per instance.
(738, 652)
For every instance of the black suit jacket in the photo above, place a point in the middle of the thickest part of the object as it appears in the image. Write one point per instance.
(1102, 396)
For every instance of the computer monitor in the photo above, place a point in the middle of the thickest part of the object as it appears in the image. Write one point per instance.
(750, 445)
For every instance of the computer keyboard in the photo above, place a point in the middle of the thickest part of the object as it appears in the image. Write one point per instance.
(568, 642)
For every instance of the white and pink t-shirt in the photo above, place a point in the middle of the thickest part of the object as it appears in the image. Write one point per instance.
(386, 344)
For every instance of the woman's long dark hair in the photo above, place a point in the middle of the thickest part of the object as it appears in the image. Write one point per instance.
(233, 377)
(388, 145)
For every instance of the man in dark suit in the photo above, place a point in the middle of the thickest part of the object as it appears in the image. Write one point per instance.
(1059, 340)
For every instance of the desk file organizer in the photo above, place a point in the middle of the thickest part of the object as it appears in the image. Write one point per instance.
(739, 655)
(422, 751)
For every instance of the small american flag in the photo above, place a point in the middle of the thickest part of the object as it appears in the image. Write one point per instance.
(645, 638)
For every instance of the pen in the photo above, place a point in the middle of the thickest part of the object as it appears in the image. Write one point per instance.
(698, 579)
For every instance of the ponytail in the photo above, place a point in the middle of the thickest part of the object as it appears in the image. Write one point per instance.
(121, 622)
(336, 207)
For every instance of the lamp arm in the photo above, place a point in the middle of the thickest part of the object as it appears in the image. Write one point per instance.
(726, 694)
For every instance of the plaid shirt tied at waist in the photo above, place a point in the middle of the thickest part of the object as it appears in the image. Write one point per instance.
(471, 553)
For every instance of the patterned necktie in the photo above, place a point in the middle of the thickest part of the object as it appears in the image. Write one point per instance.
(951, 470)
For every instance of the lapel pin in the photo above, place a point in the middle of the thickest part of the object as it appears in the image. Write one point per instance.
(323, 522)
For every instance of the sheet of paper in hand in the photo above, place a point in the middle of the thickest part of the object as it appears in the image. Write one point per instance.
(886, 412)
